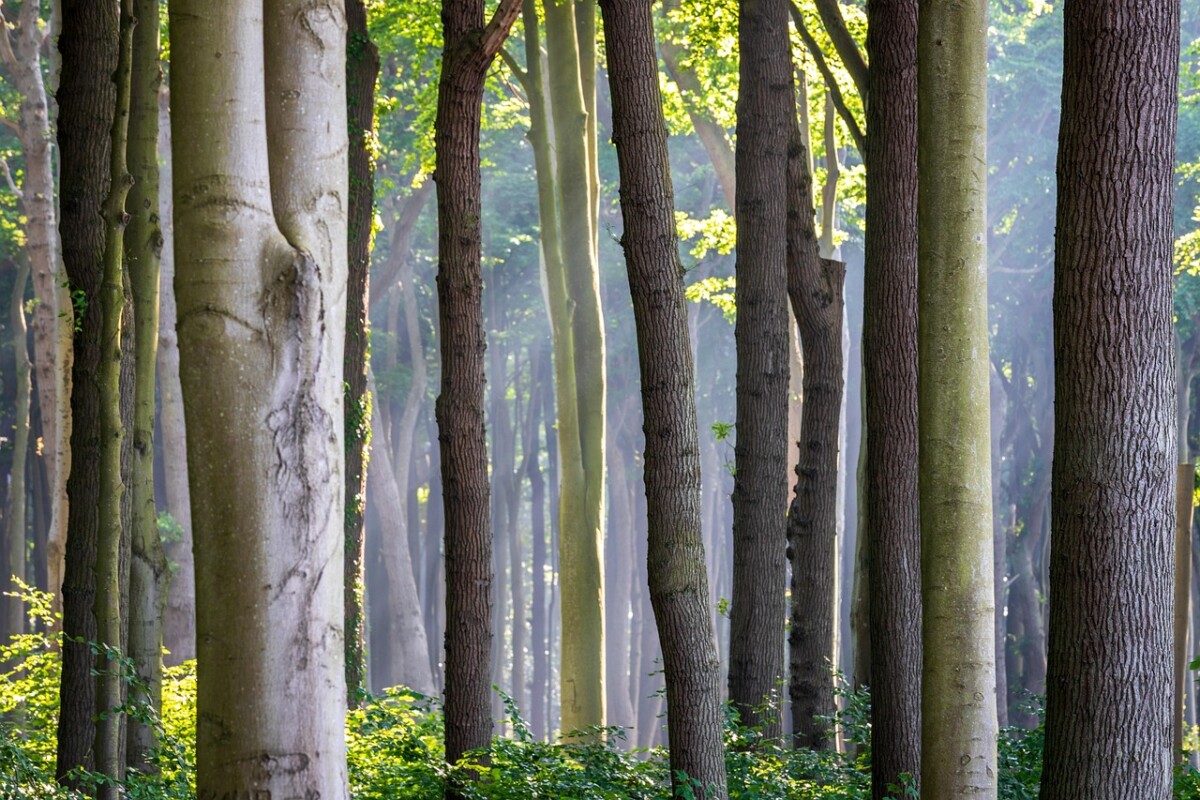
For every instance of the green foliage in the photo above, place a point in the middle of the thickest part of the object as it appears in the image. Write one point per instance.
(719, 292)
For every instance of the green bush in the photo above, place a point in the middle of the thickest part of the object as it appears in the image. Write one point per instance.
(394, 746)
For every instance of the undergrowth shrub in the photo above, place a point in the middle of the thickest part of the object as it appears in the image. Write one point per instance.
(395, 751)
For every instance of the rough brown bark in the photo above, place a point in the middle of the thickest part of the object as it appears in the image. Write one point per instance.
(362, 71)
(469, 48)
(893, 522)
(676, 565)
(86, 100)
(1108, 714)
(764, 110)
(815, 288)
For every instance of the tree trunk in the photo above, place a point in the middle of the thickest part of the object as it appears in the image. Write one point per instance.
(16, 524)
(179, 621)
(86, 99)
(469, 48)
(675, 564)
(410, 650)
(958, 687)
(580, 384)
(760, 478)
(1108, 692)
(111, 552)
(149, 574)
(51, 335)
(815, 286)
(262, 239)
(362, 71)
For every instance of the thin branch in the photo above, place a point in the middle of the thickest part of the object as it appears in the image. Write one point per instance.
(521, 75)
(497, 29)
(8, 178)
(835, 92)
(6, 52)
(843, 43)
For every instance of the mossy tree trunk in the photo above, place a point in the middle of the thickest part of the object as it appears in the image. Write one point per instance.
(362, 72)
(578, 332)
(148, 574)
(958, 688)
(111, 541)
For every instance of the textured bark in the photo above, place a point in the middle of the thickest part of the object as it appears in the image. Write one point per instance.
(675, 564)
(148, 574)
(262, 241)
(469, 48)
(578, 332)
(893, 523)
(362, 71)
(764, 110)
(179, 618)
(958, 687)
(815, 287)
(86, 99)
(1108, 712)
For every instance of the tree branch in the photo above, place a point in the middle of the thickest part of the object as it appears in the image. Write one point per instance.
(843, 43)
(8, 178)
(497, 29)
(521, 75)
(7, 56)
(835, 92)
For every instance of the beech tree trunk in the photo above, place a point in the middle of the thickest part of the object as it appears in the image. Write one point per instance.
(410, 651)
(469, 48)
(1109, 687)
(179, 617)
(261, 278)
(86, 96)
(958, 686)
(893, 521)
(764, 109)
(578, 332)
(148, 572)
(20, 52)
